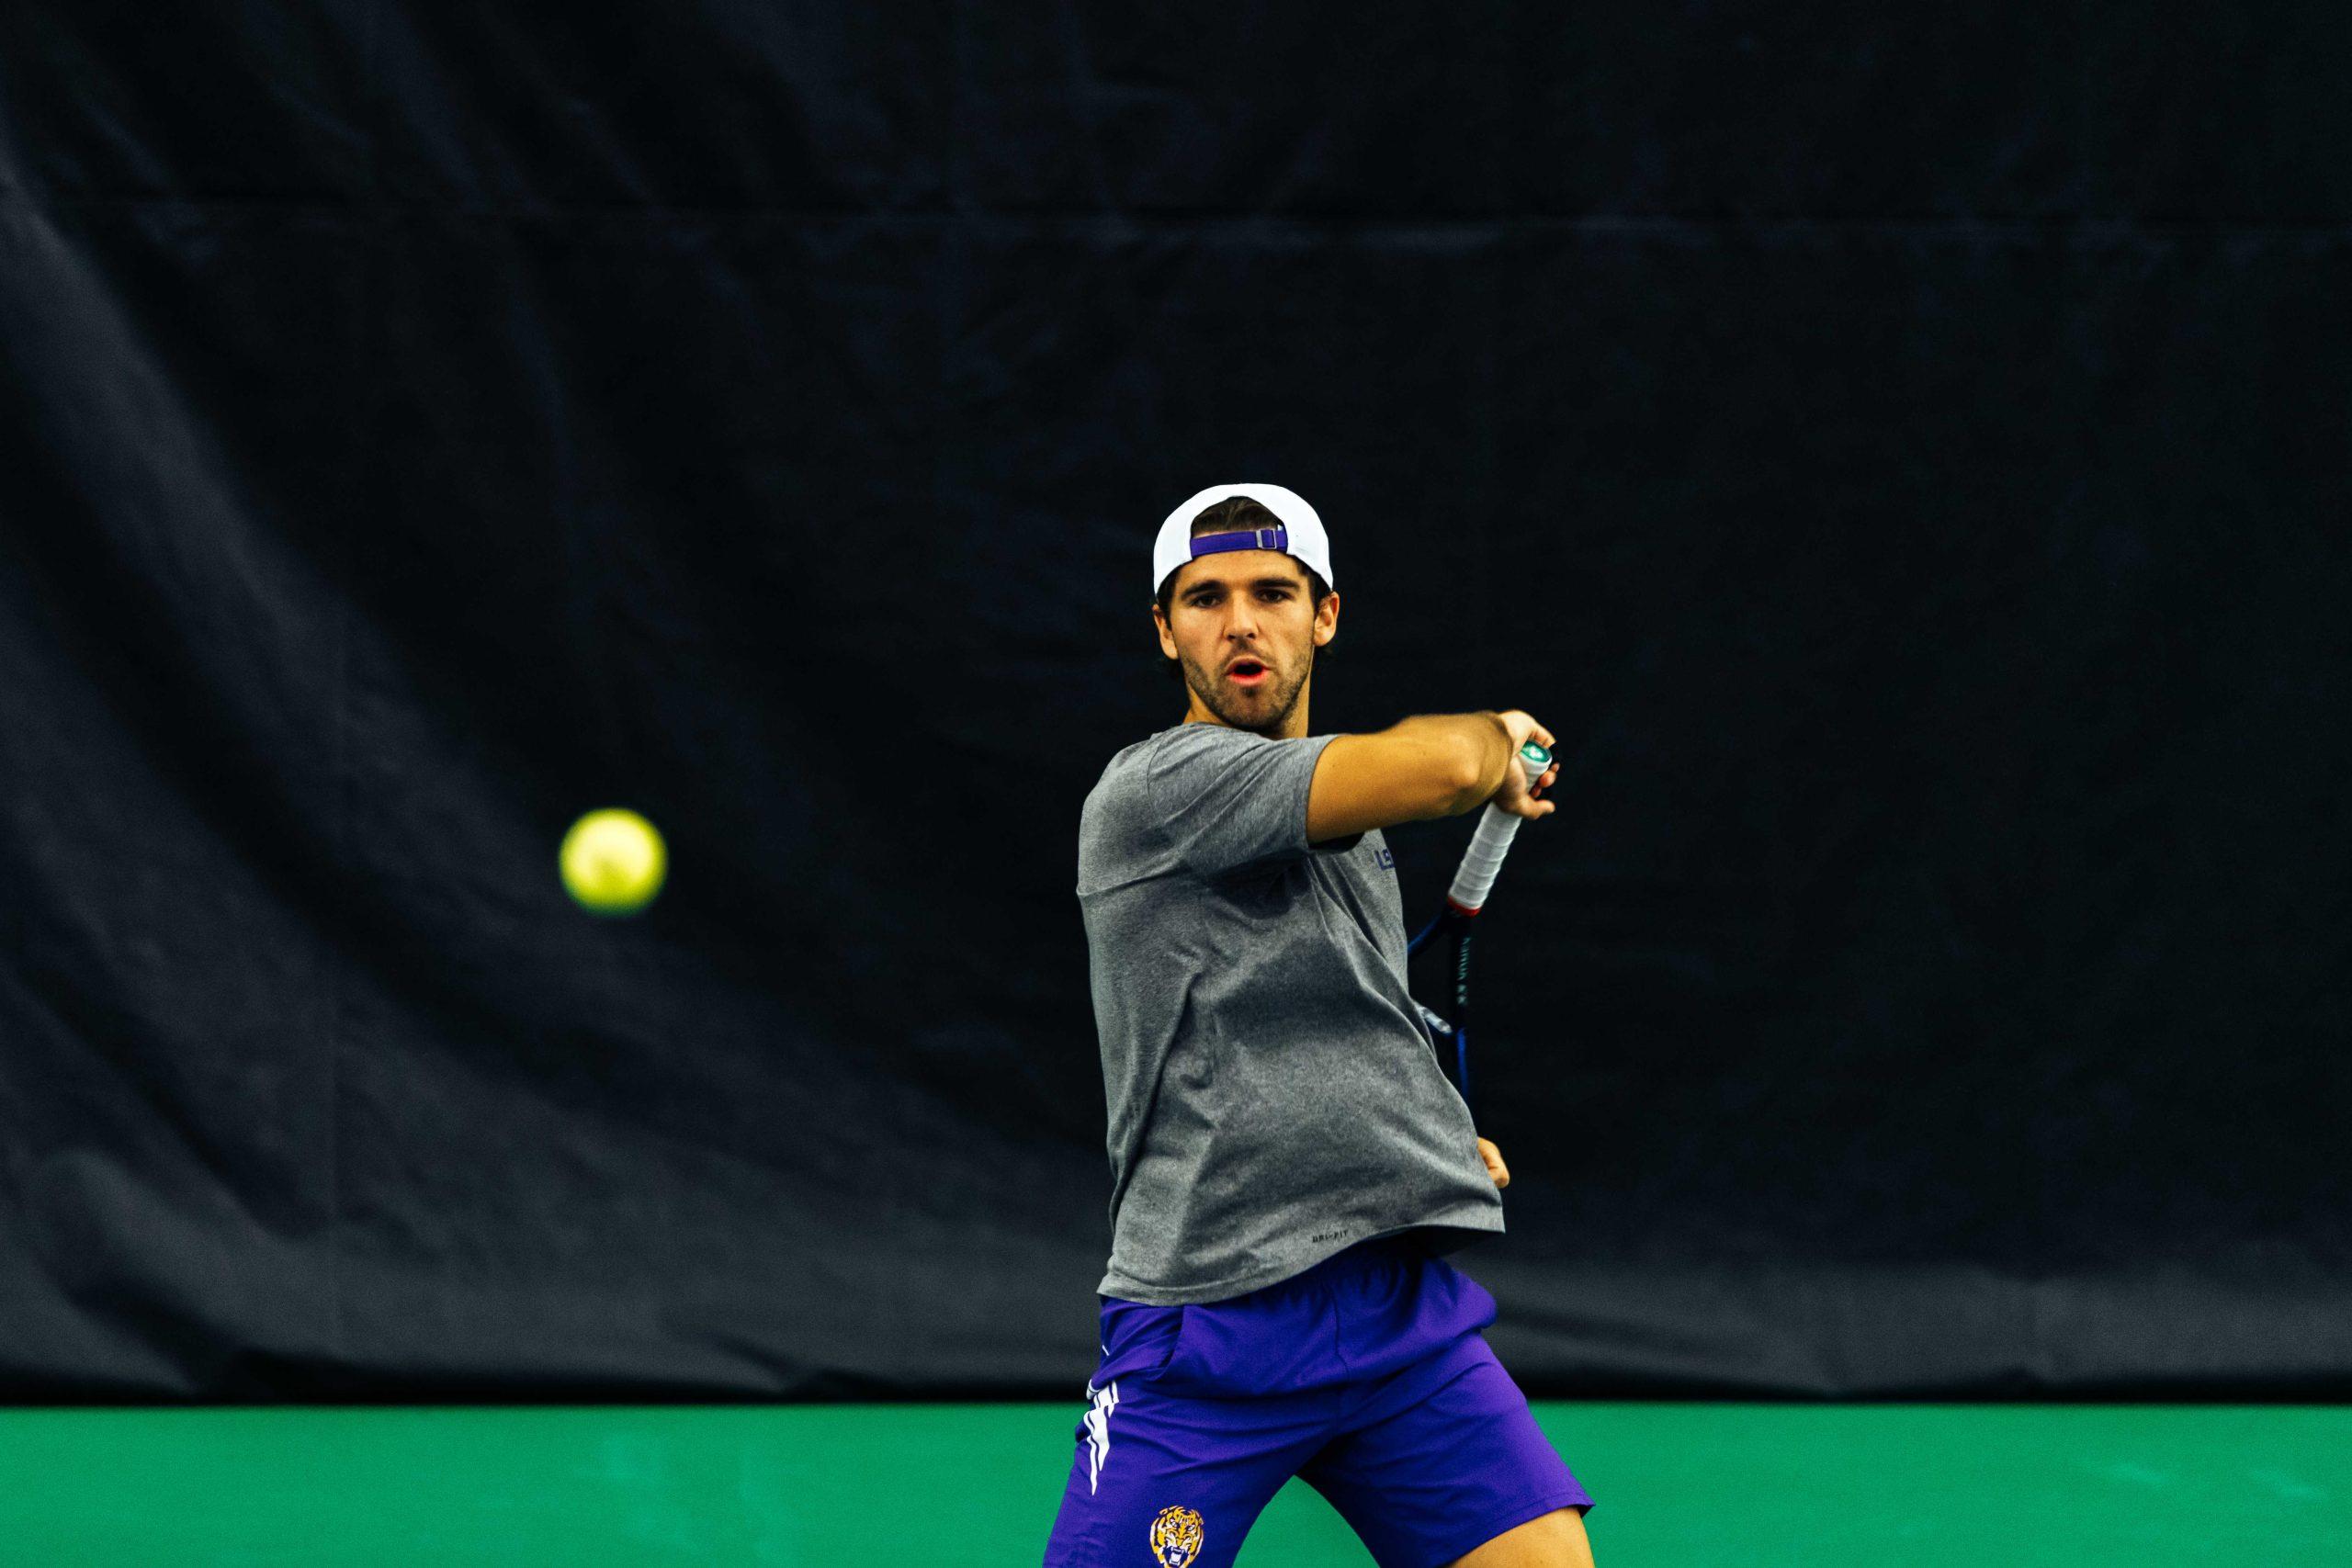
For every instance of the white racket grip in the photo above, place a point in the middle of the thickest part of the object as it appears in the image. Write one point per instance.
(1475, 878)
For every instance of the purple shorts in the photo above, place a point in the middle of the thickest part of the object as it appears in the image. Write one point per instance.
(1365, 1376)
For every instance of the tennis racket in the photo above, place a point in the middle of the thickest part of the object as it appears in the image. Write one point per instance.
(1449, 933)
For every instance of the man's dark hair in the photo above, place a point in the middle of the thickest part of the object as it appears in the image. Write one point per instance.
(1232, 516)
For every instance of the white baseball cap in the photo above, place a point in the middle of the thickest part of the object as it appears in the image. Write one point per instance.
(1300, 534)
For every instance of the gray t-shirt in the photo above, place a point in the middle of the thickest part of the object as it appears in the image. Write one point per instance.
(1274, 1094)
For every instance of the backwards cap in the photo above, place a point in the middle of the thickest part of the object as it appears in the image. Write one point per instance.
(1300, 534)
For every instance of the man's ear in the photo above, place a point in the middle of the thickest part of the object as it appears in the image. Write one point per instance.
(1326, 630)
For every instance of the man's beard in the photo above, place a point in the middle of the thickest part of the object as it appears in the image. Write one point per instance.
(1264, 717)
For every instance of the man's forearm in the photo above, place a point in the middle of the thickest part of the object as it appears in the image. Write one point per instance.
(1479, 739)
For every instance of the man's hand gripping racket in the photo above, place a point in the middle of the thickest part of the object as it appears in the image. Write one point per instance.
(1498, 824)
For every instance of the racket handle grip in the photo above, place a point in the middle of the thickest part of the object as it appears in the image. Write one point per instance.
(1497, 826)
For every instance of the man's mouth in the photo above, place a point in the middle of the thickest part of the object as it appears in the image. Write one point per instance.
(1245, 671)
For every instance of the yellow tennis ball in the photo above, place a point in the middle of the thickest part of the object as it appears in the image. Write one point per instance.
(612, 862)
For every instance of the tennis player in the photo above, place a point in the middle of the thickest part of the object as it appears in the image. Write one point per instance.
(1289, 1162)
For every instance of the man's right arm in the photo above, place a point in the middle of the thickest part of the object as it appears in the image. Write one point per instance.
(1427, 766)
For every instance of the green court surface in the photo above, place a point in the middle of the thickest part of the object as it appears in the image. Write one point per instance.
(977, 1485)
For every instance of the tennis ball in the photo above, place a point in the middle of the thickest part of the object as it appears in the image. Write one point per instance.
(612, 862)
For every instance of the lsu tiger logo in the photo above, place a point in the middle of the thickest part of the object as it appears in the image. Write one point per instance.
(1176, 1537)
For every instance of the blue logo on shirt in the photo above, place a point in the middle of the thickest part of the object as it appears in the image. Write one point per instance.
(1381, 857)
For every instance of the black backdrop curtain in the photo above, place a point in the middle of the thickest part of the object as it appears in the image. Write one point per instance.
(1903, 456)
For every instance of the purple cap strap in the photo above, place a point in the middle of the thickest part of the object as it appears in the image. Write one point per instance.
(1247, 539)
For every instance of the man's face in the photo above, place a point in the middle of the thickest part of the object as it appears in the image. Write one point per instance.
(1237, 609)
